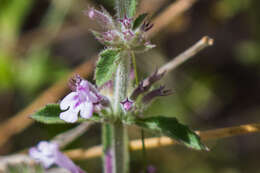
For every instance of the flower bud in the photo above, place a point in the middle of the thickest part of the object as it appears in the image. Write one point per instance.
(155, 93)
(127, 104)
(102, 17)
(146, 84)
(146, 26)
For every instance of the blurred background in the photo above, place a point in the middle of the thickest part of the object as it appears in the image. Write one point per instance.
(42, 41)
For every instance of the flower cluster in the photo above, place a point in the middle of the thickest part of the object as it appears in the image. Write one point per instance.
(120, 33)
(84, 100)
(47, 154)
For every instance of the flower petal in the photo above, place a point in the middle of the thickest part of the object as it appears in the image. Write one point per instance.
(69, 116)
(68, 101)
(40, 157)
(86, 110)
(34, 153)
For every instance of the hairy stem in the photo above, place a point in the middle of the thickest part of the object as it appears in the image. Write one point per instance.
(121, 8)
(135, 67)
(115, 139)
(142, 131)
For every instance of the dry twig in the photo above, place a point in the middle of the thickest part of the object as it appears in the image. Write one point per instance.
(150, 143)
(175, 62)
(67, 137)
(96, 151)
(172, 12)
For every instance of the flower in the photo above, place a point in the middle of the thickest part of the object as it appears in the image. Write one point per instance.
(47, 153)
(127, 104)
(84, 99)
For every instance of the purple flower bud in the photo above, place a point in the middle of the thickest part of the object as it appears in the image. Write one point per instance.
(146, 84)
(127, 104)
(84, 99)
(48, 153)
(102, 17)
(146, 26)
(110, 36)
(155, 93)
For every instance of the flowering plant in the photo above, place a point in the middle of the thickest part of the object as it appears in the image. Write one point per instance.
(117, 99)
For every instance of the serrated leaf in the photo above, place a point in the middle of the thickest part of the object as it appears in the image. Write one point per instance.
(171, 127)
(106, 65)
(139, 20)
(50, 115)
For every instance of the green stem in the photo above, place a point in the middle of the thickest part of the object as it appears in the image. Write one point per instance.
(142, 131)
(121, 6)
(115, 138)
(120, 144)
(135, 67)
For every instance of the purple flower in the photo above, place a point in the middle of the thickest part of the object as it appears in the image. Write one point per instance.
(84, 99)
(127, 104)
(48, 153)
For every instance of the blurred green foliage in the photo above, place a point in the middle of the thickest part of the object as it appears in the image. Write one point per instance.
(226, 9)
(12, 16)
(23, 168)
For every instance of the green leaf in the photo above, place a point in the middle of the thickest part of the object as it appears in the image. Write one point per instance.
(139, 20)
(172, 128)
(106, 65)
(50, 115)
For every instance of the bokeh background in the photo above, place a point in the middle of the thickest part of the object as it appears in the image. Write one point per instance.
(42, 41)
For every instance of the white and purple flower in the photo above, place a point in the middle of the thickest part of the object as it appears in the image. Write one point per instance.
(47, 154)
(84, 100)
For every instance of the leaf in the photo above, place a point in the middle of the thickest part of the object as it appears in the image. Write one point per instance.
(172, 128)
(139, 20)
(106, 65)
(50, 115)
